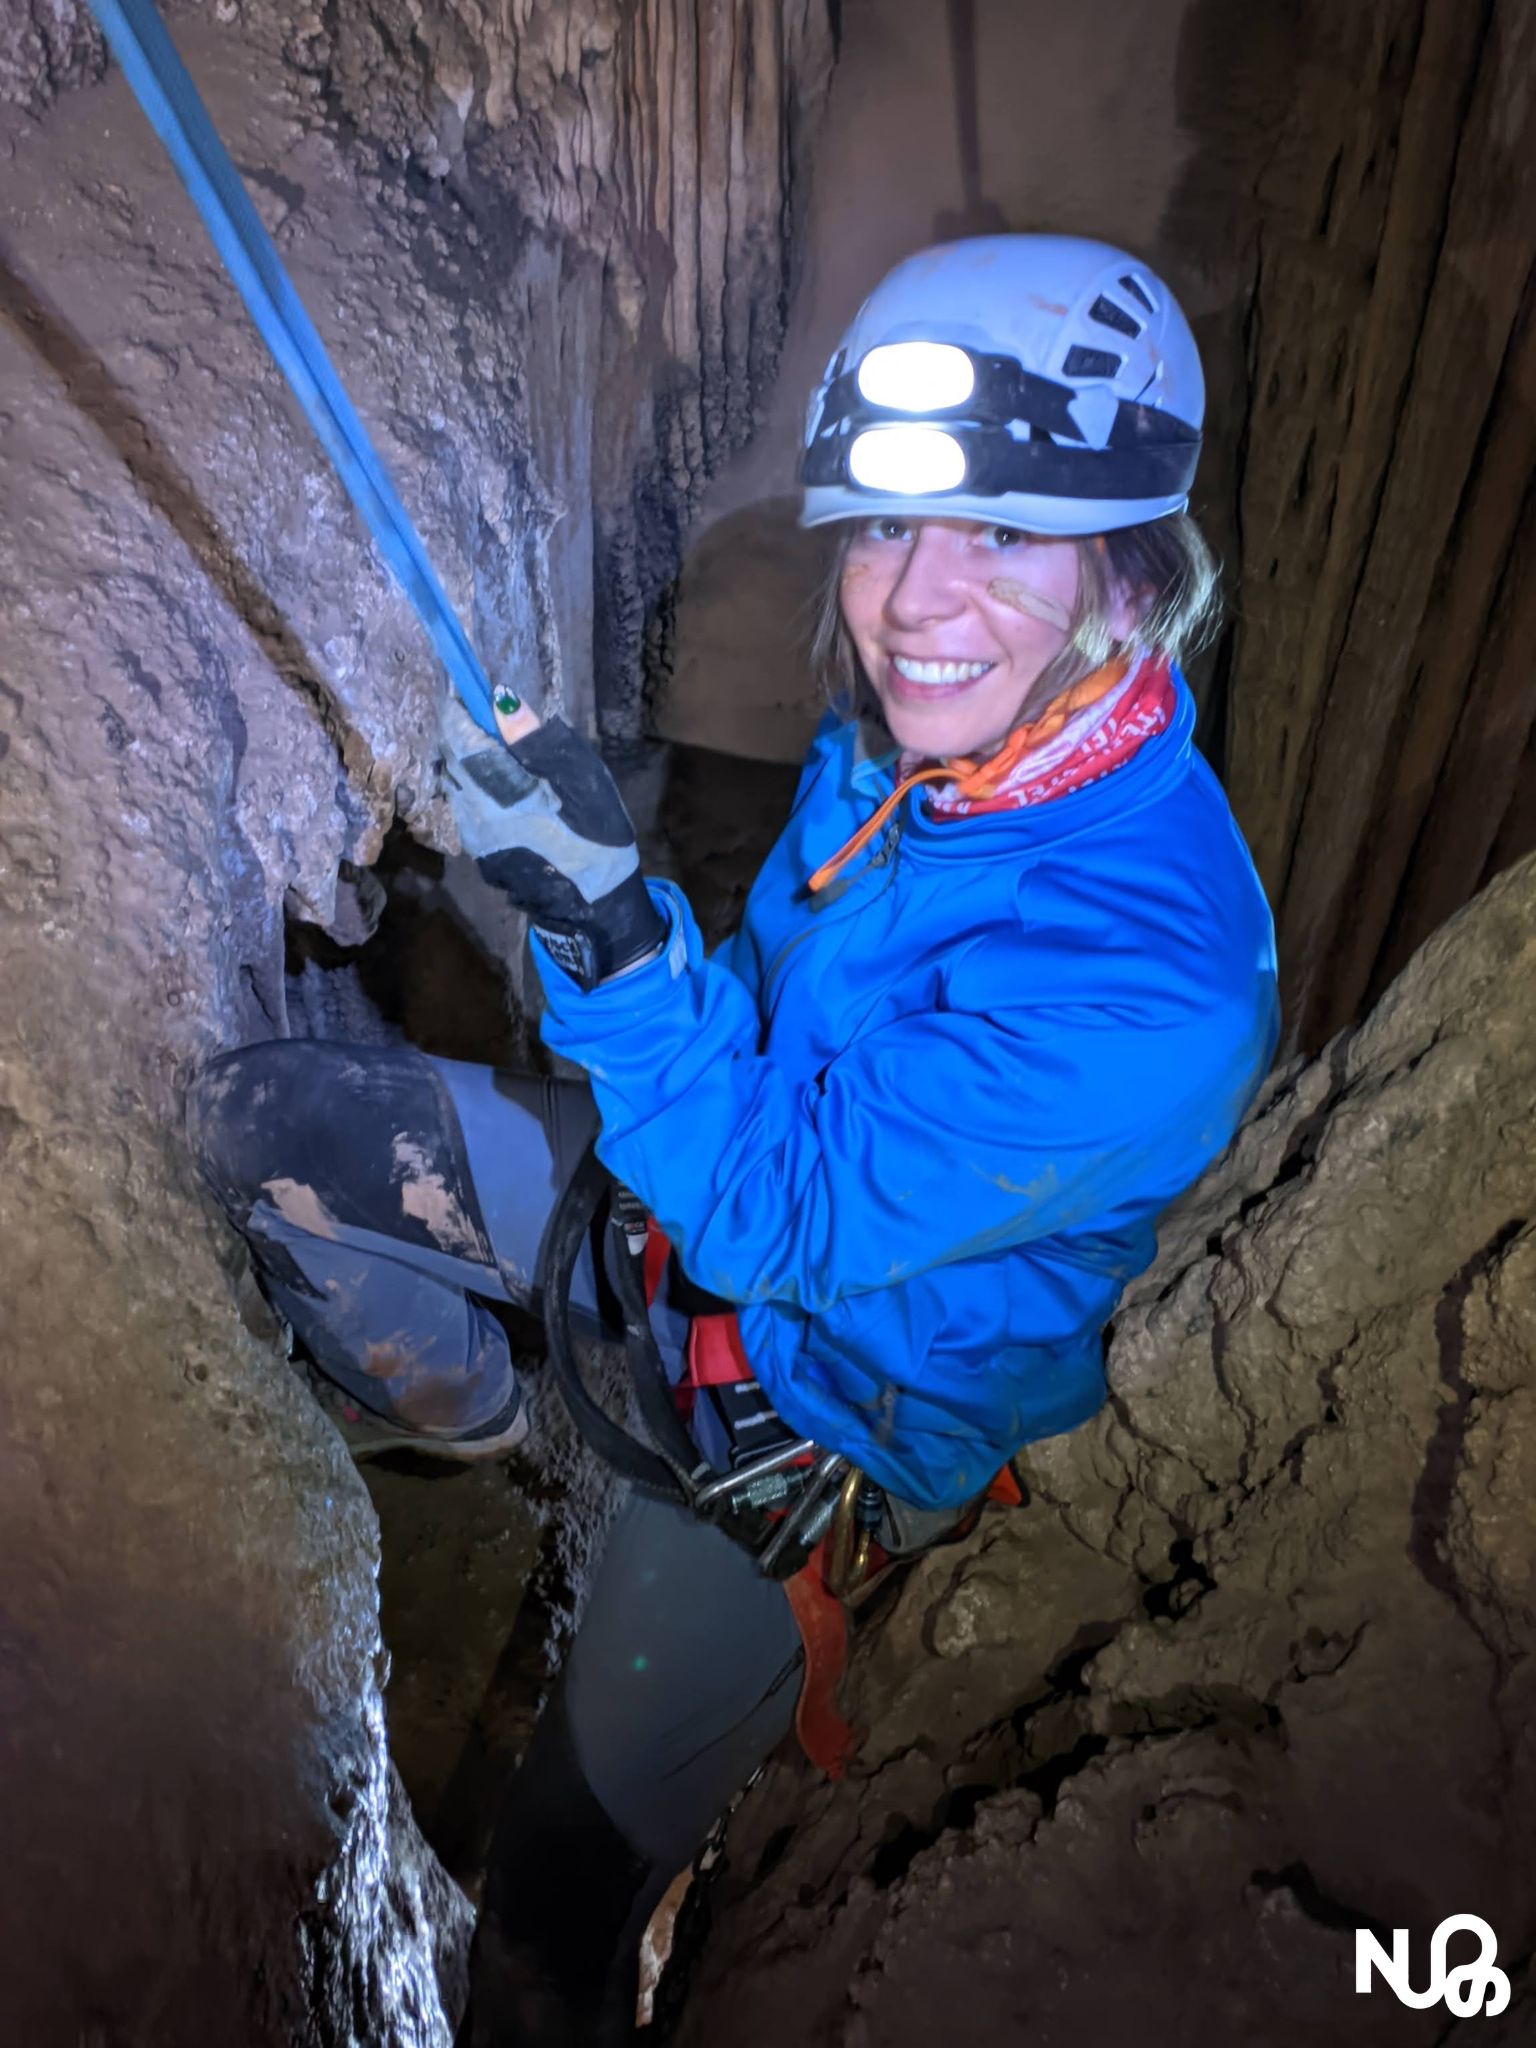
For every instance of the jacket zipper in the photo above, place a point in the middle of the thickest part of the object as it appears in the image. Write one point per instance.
(884, 856)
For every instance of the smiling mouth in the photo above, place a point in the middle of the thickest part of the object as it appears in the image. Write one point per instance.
(927, 679)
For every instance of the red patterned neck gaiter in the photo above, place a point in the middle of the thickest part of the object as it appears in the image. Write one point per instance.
(1090, 730)
(1093, 743)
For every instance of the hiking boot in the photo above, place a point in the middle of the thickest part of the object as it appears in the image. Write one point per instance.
(368, 1434)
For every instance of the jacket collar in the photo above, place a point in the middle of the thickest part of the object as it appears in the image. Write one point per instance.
(1152, 770)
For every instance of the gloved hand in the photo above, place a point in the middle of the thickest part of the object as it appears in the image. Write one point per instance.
(545, 822)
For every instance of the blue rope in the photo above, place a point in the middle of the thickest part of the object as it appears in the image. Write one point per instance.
(176, 113)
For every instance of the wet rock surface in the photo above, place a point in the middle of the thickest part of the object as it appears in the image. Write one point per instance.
(1253, 1667)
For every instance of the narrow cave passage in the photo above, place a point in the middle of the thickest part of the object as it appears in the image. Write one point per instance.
(1250, 1669)
(478, 1576)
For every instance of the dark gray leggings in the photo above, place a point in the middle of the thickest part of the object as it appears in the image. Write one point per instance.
(381, 1192)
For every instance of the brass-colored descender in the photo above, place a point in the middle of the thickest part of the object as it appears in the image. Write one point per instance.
(851, 1534)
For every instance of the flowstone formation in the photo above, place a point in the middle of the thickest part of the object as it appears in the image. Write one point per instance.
(1381, 726)
(1253, 1667)
(213, 709)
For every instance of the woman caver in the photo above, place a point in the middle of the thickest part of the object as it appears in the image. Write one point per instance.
(1004, 986)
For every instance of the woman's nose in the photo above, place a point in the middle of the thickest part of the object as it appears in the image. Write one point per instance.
(927, 588)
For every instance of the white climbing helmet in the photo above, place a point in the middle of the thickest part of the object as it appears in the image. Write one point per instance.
(1038, 381)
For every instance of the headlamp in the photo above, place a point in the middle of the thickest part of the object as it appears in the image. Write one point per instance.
(916, 376)
(912, 461)
(992, 427)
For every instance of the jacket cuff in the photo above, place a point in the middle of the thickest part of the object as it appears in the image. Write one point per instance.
(644, 983)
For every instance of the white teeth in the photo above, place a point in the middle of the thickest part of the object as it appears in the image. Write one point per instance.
(938, 671)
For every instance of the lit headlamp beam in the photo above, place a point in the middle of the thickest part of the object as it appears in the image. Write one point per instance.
(916, 376)
(910, 461)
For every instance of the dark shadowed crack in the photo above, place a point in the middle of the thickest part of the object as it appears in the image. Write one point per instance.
(1220, 1325)
(1216, 1710)
(1189, 1581)
(1137, 1430)
(1044, 1743)
(1197, 1709)
(997, 1759)
(1427, 1546)
(466, 1813)
(1289, 1460)
(894, 1858)
(1319, 1654)
(1301, 1152)
(1338, 1915)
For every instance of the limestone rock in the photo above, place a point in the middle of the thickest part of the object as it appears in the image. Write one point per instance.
(666, 139)
(46, 46)
(1386, 532)
(213, 707)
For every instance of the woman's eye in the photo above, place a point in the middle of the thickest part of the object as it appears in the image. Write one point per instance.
(887, 529)
(1004, 537)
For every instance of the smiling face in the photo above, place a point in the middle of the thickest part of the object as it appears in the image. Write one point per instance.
(954, 624)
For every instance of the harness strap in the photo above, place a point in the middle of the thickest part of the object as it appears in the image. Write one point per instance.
(715, 1358)
(827, 1739)
(715, 1355)
(175, 111)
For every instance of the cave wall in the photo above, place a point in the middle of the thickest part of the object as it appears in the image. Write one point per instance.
(1381, 729)
(213, 707)
(665, 136)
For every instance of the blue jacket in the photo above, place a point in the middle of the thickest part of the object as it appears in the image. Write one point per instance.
(920, 1127)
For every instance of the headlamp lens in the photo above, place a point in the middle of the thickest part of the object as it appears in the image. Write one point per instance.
(916, 376)
(911, 461)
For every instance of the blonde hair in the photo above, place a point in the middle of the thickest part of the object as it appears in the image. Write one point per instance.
(1165, 564)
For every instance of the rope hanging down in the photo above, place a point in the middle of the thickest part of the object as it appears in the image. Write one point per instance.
(170, 100)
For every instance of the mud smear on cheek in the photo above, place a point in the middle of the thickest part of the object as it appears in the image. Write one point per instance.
(1020, 598)
(850, 577)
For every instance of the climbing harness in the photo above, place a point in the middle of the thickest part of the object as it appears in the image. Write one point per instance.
(809, 1517)
(175, 111)
(669, 1466)
(777, 1503)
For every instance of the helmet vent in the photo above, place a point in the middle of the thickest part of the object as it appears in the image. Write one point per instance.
(1091, 362)
(1108, 314)
(1138, 291)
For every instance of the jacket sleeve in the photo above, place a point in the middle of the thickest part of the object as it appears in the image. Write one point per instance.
(941, 1136)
